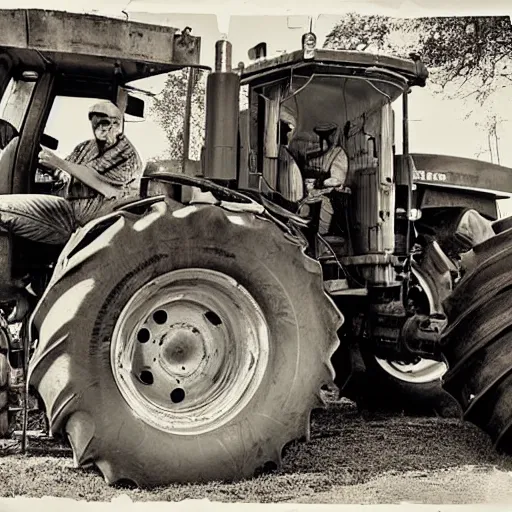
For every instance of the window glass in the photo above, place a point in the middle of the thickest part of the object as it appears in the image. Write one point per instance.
(159, 135)
(13, 109)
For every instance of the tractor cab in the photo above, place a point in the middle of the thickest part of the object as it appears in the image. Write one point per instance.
(321, 122)
(318, 141)
(53, 67)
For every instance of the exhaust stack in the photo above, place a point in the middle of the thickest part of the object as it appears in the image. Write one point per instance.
(222, 109)
(223, 51)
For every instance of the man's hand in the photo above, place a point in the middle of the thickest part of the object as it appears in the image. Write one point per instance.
(89, 177)
(49, 159)
(61, 178)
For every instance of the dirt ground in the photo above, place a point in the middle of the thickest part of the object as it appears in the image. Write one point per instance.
(351, 458)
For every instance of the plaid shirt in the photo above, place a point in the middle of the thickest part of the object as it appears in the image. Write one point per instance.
(120, 165)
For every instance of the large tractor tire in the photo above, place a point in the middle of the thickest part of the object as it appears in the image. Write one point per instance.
(382, 385)
(182, 346)
(478, 341)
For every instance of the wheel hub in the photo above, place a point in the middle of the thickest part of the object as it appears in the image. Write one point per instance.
(182, 350)
(189, 350)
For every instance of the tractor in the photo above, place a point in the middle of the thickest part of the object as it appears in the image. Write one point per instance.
(188, 334)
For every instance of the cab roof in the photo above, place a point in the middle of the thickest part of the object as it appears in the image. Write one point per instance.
(333, 61)
(95, 45)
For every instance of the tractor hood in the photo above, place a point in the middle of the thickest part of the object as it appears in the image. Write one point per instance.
(104, 47)
(458, 172)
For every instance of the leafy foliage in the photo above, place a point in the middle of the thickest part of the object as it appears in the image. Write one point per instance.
(363, 33)
(470, 53)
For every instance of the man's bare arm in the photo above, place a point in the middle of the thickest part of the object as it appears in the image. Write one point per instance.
(85, 174)
(91, 178)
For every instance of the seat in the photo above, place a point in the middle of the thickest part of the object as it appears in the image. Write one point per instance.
(290, 184)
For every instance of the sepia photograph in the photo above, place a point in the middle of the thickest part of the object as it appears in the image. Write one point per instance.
(255, 254)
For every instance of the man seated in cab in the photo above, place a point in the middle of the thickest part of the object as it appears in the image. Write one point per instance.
(93, 179)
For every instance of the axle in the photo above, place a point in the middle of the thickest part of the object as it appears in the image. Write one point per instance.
(415, 336)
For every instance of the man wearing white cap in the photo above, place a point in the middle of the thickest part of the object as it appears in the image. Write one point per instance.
(98, 173)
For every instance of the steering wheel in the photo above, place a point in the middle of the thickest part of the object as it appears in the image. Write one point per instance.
(41, 168)
(50, 143)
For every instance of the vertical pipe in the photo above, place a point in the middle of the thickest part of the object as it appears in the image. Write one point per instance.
(223, 52)
(187, 116)
(405, 143)
(405, 122)
(222, 111)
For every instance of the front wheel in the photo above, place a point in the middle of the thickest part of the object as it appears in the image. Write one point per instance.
(183, 346)
(412, 387)
(378, 384)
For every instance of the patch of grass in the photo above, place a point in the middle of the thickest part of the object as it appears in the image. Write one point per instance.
(345, 449)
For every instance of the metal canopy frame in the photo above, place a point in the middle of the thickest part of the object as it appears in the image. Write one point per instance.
(36, 39)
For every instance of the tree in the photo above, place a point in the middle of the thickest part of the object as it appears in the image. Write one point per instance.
(169, 108)
(363, 33)
(470, 53)
(468, 58)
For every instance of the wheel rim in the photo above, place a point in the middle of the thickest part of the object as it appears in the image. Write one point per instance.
(421, 371)
(189, 350)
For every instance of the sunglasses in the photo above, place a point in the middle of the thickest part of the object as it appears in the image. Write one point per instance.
(105, 123)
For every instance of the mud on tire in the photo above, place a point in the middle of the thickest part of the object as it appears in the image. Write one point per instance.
(79, 369)
(478, 342)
